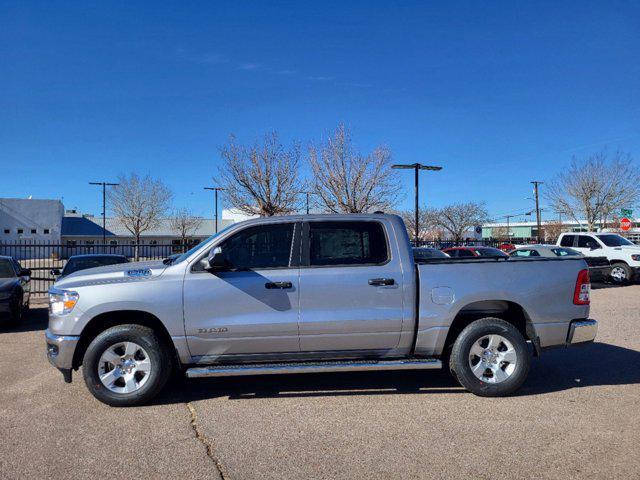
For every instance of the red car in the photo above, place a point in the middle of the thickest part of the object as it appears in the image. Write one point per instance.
(507, 247)
(472, 251)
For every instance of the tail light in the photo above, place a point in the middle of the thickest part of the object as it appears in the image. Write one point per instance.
(581, 295)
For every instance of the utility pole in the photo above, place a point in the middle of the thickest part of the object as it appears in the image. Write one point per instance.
(416, 167)
(104, 208)
(509, 217)
(535, 191)
(216, 190)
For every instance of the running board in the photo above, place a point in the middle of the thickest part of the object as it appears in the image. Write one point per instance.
(312, 367)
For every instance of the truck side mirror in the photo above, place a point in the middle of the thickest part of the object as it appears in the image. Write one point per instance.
(217, 261)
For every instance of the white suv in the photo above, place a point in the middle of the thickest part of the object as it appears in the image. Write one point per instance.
(623, 255)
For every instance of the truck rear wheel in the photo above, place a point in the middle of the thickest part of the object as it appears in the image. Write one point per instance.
(126, 365)
(490, 358)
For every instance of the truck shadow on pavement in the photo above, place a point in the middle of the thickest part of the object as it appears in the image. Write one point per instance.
(32, 321)
(557, 370)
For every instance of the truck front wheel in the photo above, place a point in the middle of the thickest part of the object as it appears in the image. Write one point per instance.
(490, 358)
(126, 365)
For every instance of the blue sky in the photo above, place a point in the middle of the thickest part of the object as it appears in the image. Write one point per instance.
(498, 93)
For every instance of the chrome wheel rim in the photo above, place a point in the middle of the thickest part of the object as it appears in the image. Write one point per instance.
(618, 274)
(492, 358)
(124, 367)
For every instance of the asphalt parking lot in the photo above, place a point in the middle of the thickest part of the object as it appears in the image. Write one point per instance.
(577, 416)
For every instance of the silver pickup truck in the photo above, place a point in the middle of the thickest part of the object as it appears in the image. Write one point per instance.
(313, 293)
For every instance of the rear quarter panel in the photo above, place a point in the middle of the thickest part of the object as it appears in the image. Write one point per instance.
(543, 288)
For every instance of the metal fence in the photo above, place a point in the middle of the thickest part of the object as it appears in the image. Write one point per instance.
(41, 258)
(485, 242)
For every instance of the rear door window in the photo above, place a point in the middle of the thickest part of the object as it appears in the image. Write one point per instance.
(347, 243)
(465, 253)
(587, 241)
(567, 241)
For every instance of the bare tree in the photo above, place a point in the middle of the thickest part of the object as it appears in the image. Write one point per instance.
(458, 218)
(139, 203)
(261, 179)
(185, 224)
(593, 189)
(409, 218)
(500, 233)
(551, 230)
(349, 182)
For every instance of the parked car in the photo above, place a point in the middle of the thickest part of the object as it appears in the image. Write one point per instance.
(82, 262)
(623, 255)
(15, 289)
(506, 247)
(313, 293)
(472, 251)
(599, 267)
(424, 253)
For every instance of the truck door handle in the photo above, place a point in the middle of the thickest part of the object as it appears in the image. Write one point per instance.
(277, 285)
(376, 282)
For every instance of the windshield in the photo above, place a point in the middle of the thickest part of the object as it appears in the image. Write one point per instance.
(6, 270)
(199, 246)
(613, 240)
(82, 263)
(565, 252)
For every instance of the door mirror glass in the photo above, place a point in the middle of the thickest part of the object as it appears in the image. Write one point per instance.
(217, 261)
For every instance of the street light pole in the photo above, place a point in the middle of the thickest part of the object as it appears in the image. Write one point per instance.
(104, 207)
(216, 190)
(416, 167)
(535, 190)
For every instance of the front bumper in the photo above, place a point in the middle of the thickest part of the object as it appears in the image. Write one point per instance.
(582, 331)
(60, 351)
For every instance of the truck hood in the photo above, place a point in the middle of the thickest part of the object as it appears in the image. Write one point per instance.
(119, 273)
(629, 248)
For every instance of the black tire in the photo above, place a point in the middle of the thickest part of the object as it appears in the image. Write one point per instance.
(26, 306)
(15, 315)
(158, 355)
(459, 361)
(626, 269)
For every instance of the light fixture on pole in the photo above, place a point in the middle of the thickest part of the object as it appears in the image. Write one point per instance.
(216, 190)
(104, 207)
(416, 167)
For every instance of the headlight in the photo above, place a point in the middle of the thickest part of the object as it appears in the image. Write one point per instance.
(635, 258)
(62, 302)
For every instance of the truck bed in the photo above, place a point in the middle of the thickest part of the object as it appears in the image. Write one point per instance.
(542, 288)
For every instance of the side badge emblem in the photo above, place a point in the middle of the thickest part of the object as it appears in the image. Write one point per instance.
(139, 273)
